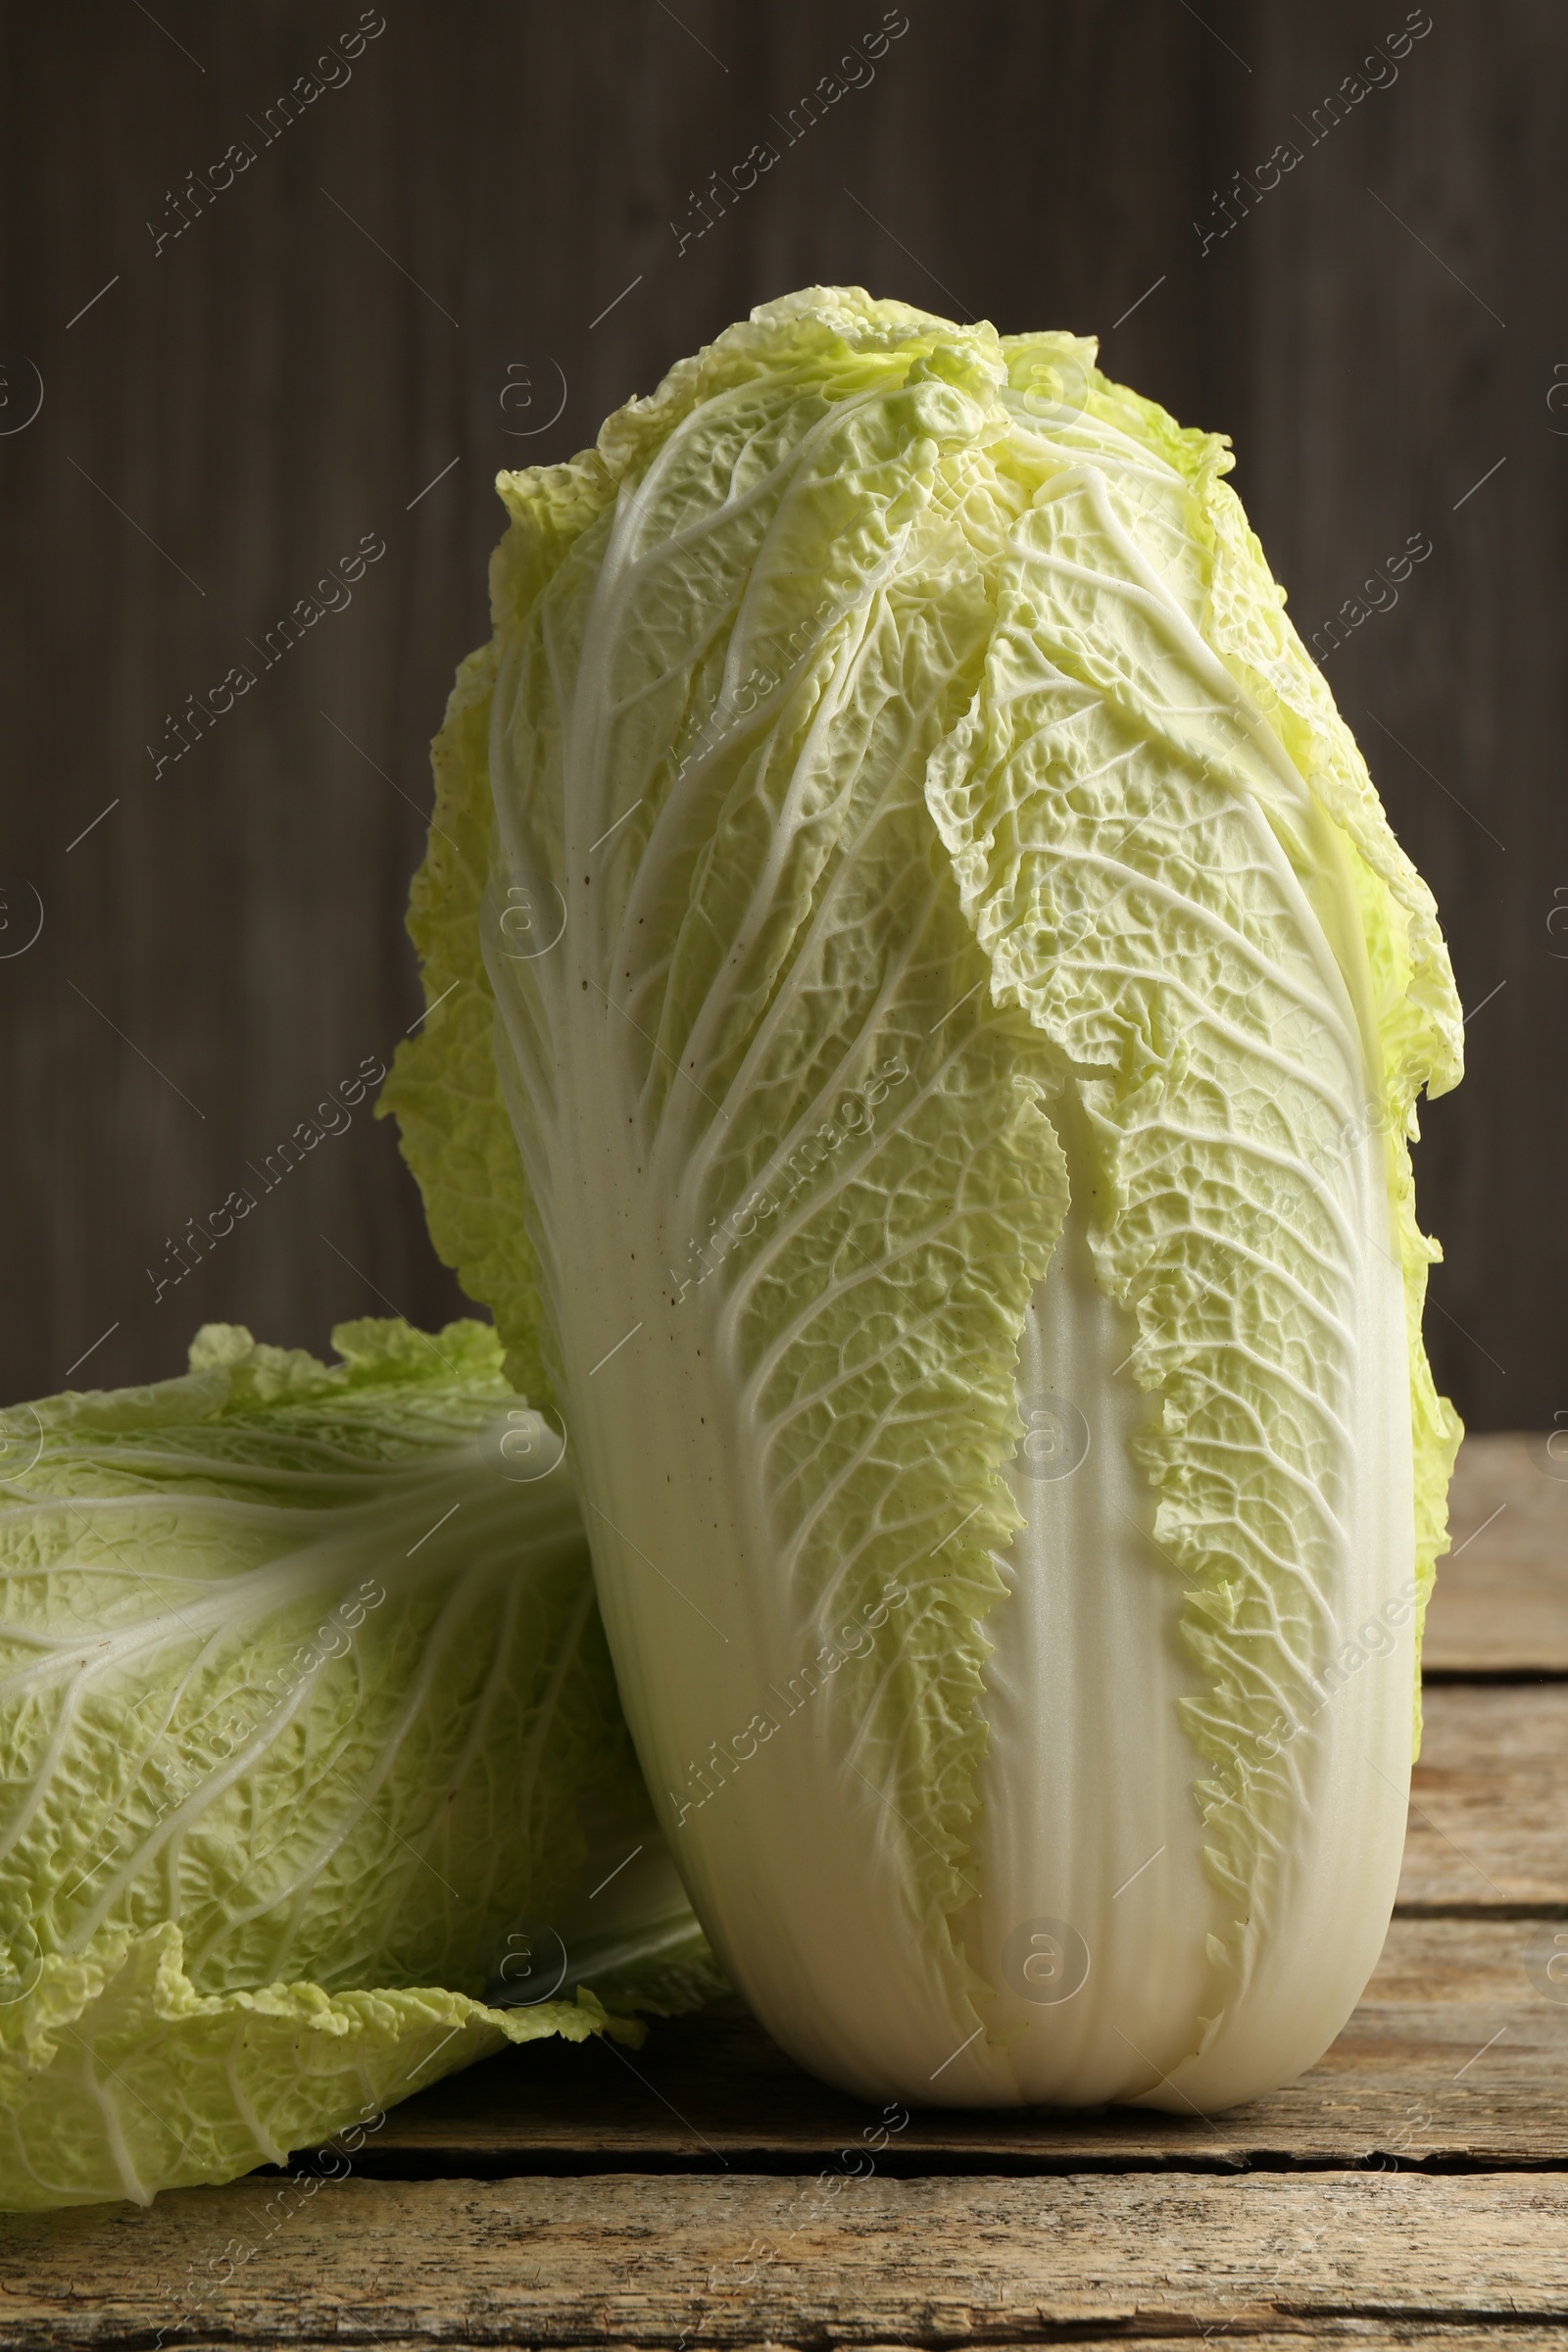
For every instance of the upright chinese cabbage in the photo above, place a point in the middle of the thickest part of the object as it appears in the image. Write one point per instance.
(932, 1012)
(313, 1760)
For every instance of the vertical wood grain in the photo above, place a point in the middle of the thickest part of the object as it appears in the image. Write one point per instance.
(225, 944)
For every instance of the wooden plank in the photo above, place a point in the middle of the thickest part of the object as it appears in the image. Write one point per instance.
(1488, 1825)
(1458, 2053)
(1501, 1599)
(646, 2261)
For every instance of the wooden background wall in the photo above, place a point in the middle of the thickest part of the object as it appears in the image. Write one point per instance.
(323, 353)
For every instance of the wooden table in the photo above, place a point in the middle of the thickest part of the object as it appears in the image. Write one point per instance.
(1413, 2189)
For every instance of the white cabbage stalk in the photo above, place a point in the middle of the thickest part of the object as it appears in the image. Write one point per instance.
(959, 1008)
(313, 1761)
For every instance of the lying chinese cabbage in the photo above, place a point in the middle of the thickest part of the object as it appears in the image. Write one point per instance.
(313, 1760)
(933, 1017)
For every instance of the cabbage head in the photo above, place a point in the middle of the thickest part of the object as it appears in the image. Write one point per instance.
(932, 1012)
(313, 1763)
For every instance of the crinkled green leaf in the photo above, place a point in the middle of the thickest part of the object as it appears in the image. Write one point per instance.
(305, 1715)
(118, 2079)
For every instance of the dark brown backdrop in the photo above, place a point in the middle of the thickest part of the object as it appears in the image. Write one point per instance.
(338, 329)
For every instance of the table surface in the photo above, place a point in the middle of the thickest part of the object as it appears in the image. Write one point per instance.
(703, 2192)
